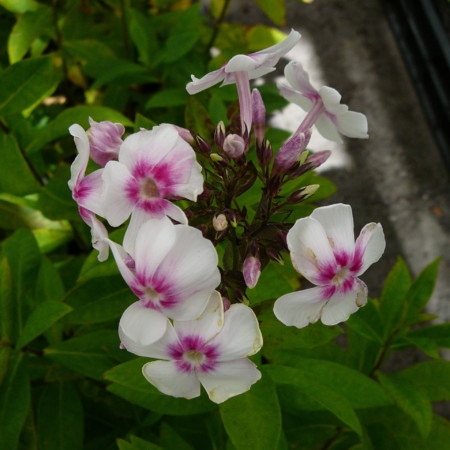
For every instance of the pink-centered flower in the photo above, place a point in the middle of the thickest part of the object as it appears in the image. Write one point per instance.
(211, 351)
(172, 270)
(87, 191)
(242, 68)
(323, 106)
(324, 251)
(153, 166)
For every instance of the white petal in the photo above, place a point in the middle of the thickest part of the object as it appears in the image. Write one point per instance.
(190, 307)
(208, 324)
(138, 218)
(78, 167)
(210, 79)
(229, 379)
(166, 377)
(154, 241)
(337, 221)
(240, 63)
(90, 192)
(352, 124)
(99, 235)
(139, 327)
(301, 308)
(330, 96)
(116, 206)
(120, 255)
(340, 306)
(327, 128)
(149, 146)
(370, 245)
(309, 247)
(175, 213)
(194, 185)
(295, 97)
(240, 335)
(298, 78)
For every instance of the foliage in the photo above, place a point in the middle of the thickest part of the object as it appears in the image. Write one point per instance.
(64, 382)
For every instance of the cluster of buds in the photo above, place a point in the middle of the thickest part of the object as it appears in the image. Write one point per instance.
(190, 314)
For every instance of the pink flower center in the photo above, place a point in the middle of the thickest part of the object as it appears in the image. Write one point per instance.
(148, 189)
(192, 353)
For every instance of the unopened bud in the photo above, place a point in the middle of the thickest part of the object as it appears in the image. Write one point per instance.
(264, 152)
(234, 146)
(184, 134)
(105, 139)
(219, 134)
(216, 157)
(233, 219)
(290, 152)
(275, 255)
(226, 304)
(203, 146)
(251, 269)
(259, 116)
(220, 222)
(313, 161)
(302, 194)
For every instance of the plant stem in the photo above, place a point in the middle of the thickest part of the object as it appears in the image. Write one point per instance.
(217, 25)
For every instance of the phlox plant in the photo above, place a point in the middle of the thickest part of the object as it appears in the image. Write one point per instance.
(187, 283)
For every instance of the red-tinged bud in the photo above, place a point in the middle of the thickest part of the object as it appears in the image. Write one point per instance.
(275, 255)
(264, 153)
(259, 116)
(282, 239)
(105, 139)
(302, 194)
(234, 146)
(219, 135)
(313, 161)
(290, 152)
(203, 146)
(251, 269)
(220, 222)
(226, 304)
(184, 134)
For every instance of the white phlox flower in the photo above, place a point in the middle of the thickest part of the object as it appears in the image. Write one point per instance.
(211, 351)
(242, 68)
(324, 107)
(87, 191)
(152, 166)
(324, 251)
(172, 270)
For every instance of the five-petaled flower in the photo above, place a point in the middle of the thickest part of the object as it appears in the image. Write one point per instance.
(324, 251)
(324, 107)
(211, 350)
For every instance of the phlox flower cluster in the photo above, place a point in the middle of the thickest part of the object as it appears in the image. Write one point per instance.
(190, 315)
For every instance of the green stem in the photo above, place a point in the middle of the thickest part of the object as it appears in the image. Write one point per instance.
(218, 24)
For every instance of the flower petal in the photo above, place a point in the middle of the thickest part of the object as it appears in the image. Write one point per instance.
(78, 167)
(300, 308)
(193, 187)
(240, 63)
(138, 218)
(352, 124)
(139, 327)
(337, 221)
(89, 192)
(340, 306)
(240, 335)
(210, 79)
(229, 379)
(208, 324)
(370, 245)
(327, 128)
(167, 378)
(99, 234)
(120, 256)
(309, 247)
(175, 212)
(298, 78)
(116, 206)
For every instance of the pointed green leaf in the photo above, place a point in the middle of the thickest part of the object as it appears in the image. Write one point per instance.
(60, 418)
(27, 82)
(41, 319)
(167, 98)
(19, 6)
(136, 444)
(411, 399)
(197, 119)
(170, 439)
(14, 401)
(259, 410)
(275, 10)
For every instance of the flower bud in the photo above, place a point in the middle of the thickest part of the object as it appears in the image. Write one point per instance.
(220, 222)
(313, 161)
(251, 270)
(105, 139)
(302, 194)
(216, 157)
(264, 153)
(290, 152)
(203, 146)
(226, 304)
(259, 116)
(275, 255)
(234, 146)
(184, 133)
(219, 134)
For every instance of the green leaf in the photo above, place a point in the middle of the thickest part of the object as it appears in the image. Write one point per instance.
(420, 291)
(440, 434)
(367, 323)
(41, 319)
(136, 444)
(142, 35)
(130, 384)
(410, 399)
(253, 419)
(122, 72)
(279, 337)
(99, 300)
(392, 300)
(275, 10)
(143, 122)
(60, 418)
(78, 114)
(15, 175)
(197, 119)
(19, 6)
(440, 334)
(26, 83)
(7, 304)
(28, 27)
(261, 36)
(327, 397)
(87, 354)
(167, 97)
(170, 439)
(14, 401)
